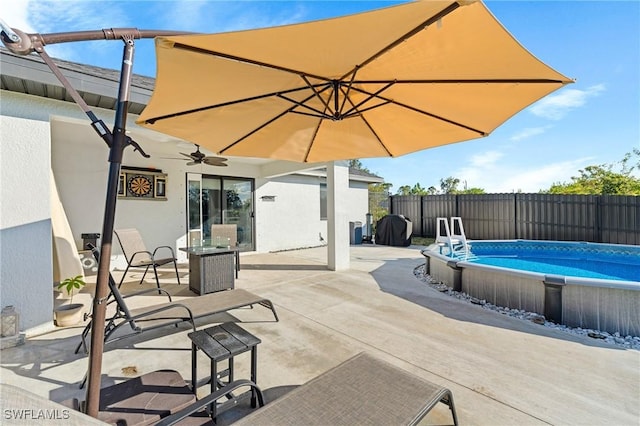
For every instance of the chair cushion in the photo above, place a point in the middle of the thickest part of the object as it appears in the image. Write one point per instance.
(146, 399)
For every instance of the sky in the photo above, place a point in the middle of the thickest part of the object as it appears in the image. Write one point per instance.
(594, 121)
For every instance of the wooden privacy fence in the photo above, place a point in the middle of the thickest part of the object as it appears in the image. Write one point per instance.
(595, 218)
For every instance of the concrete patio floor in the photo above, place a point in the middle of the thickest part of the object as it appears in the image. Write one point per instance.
(501, 370)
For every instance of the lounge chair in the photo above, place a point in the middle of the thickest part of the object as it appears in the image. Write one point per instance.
(137, 255)
(147, 399)
(361, 390)
(170, 312)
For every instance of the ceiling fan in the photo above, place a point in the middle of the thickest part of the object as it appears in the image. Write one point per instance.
(198, 157)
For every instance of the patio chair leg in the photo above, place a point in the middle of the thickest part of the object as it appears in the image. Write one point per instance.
(83, 337)
(448, 399)
(145, 273)
(175, 266)
(123, 276)
(155, 271)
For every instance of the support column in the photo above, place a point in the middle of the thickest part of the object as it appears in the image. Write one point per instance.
(553, 297)
(337, 223)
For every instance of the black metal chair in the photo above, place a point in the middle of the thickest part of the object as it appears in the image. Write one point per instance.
(137, 255)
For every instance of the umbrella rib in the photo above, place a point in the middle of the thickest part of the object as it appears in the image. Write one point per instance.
(472, 81)
(317, 112)
(346, 94)
(312, 87)
(245, 60)
(313, 138)
(360, 111)
(237, 101)
(410, 33)
(262, 126)
(437, 117)
(371, 96)
(303, 104)
(373, 132)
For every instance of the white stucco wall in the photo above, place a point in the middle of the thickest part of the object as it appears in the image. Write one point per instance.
(26, 280)
(292, 220)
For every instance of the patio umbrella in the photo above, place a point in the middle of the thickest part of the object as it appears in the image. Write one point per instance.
(382, 83)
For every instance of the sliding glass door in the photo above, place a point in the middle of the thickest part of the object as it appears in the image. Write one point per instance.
(220, 200)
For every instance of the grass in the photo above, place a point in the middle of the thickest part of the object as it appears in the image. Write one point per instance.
(422, 241)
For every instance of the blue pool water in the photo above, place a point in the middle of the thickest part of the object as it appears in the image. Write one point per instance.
(584, 260)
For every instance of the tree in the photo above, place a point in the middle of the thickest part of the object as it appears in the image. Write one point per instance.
(404, 190)
(449, 185)
(601, 179)
(379, 200)
(472, 191)
(357, 164)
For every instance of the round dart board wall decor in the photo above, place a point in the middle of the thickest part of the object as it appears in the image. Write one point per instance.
(139, 186)
(139, 183)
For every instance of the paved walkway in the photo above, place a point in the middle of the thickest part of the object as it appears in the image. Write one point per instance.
(502, 370)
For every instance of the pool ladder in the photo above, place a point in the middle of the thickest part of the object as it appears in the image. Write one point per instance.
(455, 242)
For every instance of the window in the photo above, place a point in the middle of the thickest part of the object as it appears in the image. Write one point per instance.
(323, 201)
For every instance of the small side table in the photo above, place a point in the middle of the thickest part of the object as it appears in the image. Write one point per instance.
(211, 269)
(219, 343)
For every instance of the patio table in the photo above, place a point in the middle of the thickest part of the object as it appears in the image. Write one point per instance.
(211, 268)
(219, 343)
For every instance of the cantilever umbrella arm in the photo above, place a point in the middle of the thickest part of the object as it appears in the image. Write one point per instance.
(21, 43)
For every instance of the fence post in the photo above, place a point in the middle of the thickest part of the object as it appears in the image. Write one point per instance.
(516, 219)
(599, 218)
(422, 216)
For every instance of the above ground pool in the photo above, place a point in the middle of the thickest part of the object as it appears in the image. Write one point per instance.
(584, 260)
(579, 284)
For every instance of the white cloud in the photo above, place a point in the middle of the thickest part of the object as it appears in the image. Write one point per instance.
(535, 179)
(486, 159)
(16, 16)
(480, 166)
(493, 172)
(528, 132)
(555, 107)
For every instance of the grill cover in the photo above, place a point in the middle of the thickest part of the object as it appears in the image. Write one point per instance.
(394, 230)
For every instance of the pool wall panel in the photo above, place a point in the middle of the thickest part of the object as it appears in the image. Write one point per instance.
(601, 308)
(504, 289)
(439, 271)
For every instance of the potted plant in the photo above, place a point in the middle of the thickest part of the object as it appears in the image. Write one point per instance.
(71, 313)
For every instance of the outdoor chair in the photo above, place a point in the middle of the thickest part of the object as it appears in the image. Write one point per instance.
(361, 390)
(169, 312)
(147, 399)
(137, 255)
(224, 232)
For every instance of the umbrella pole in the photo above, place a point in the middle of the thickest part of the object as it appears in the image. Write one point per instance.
(99, 301)
(22, 43)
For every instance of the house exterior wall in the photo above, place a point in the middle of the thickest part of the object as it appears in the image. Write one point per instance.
(292, 219)
(25, 222)
(39, 135)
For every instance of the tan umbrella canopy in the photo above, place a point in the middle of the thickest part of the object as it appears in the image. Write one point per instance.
(383, 83)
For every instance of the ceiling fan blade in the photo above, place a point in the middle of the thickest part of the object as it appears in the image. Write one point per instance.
(187, 155)
(215, 161)
(174, 158)
(193, 163)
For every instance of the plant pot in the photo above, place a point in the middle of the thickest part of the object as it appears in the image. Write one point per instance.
(66, 315)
